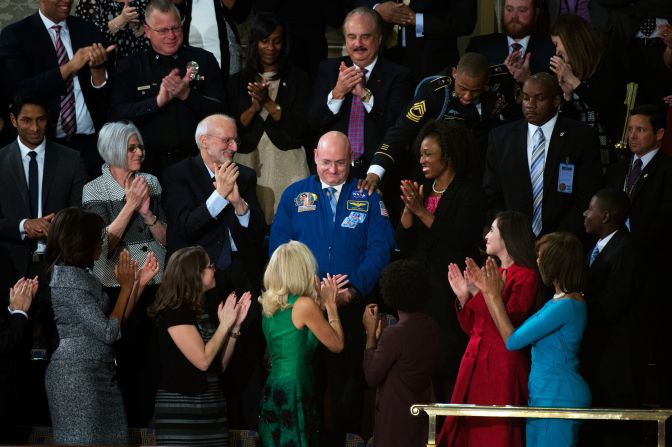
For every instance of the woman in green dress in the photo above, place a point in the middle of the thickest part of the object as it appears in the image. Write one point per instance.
(294, 325)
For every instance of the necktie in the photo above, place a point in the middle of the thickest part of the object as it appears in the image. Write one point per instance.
(537, 176)
(68, 121)
(515, 46)
(635, 172)
(593, 256)
(331, 194)
(356, 123)
(648, 26)
(33, 184)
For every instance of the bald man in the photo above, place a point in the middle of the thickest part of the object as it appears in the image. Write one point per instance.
(349, 232)
(545, 165)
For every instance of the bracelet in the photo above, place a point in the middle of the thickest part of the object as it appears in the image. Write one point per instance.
(333, 319)
(156, 219)
(247, 208)
(235, 334)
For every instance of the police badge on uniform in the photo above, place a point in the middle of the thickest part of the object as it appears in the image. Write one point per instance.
(305, 201)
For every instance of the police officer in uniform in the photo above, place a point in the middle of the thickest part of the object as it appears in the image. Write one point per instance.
(349, 232)
(167, 90)
(463, 95)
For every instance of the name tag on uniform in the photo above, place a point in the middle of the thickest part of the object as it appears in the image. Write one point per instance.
(144, 87)
(357, 205)
(566, 178)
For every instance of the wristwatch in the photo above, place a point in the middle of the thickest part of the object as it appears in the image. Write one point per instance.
(367, 95)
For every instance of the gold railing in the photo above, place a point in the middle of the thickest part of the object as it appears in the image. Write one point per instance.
(618, 414)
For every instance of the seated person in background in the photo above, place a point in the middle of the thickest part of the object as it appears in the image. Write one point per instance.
(461, 95)
(592, 87)
(190, 406)
(268, 100)
(554, 333)
(294, 326)
(162, 94)
(129, 202)
(120, 21)
(401, 360)
(14, 336)
(608, 344)
(517, 52)
(442, 223)
(85, 403)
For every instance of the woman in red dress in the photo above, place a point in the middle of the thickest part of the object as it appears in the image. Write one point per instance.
(489, 374)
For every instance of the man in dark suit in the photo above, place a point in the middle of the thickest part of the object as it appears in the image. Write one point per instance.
(37, 179)
(161, 95)
(647, 179)
(545, 165)
(211, 201)
(607, 348)
(423, 34)
(361, 86)
(59, 57)
(518, 51)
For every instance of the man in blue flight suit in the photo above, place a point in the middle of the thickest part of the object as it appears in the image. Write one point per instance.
(349, 233)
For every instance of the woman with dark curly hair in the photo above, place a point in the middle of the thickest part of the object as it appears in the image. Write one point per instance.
(268, 98)
(401, 360)
(442, 223)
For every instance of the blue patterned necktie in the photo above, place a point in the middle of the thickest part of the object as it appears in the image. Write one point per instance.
(593, 256)
(537, 176)
(331, 193)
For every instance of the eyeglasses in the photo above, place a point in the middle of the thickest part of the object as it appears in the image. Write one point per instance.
(211, 266)
(227, 140)
(132, 148)
(164, 31)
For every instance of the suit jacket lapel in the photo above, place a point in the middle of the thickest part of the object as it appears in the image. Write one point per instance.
(48, 174)
(375, 79)
(554, 156)
(649, 170)
(520, 165)
(18, 175)
(43, 40)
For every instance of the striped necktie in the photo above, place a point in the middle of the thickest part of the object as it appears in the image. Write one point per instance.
(537, 176)
(593, 256)
(68, 120)
(356, 123)
(331, 193)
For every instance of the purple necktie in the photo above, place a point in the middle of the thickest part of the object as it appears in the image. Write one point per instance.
(68, 121)
(634, 174)
(515, 46)
(356, 123)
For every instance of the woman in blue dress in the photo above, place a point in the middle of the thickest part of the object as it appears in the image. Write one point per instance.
(554, 333)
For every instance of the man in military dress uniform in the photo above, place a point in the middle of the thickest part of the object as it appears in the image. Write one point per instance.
(167, 90)
(462, 95)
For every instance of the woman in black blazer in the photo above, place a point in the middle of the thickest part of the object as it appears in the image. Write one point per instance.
(269, 100)
(442, 222)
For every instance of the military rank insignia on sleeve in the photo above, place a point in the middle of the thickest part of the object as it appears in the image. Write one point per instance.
(417, 111)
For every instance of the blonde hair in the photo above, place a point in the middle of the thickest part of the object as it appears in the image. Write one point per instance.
(291, 271)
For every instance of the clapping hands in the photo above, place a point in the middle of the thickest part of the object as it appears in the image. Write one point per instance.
(233, 312)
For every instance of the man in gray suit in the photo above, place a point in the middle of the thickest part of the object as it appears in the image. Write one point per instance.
(37, 179)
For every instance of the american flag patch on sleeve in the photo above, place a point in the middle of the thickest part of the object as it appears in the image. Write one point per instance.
(383, 210)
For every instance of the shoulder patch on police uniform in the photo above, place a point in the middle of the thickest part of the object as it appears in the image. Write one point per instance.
(417, 111)
(305, 201)
(357, 205)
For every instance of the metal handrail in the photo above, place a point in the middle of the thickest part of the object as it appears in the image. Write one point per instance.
(619, 414)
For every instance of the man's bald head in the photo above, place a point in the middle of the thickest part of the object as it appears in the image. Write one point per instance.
(332, 158)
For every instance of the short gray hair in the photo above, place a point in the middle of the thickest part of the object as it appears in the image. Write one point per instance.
(113, 142)
(164, 6)
(204, 125)
(365, 11)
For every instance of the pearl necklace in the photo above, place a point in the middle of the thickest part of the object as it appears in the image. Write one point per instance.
(436, 191)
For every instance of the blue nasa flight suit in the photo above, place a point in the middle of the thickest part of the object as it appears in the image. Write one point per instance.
(358, 243)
